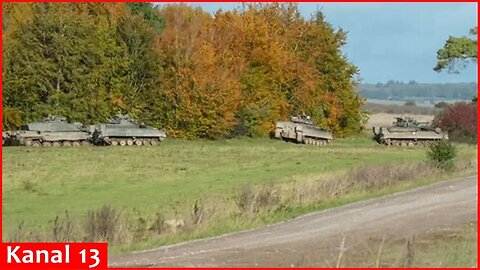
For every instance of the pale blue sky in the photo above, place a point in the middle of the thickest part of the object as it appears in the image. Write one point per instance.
(395, 41)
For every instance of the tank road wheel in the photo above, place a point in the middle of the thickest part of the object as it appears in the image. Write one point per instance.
(75, 144)
(28, 142)
(122, 142)
(138, 142)
(403, 144)
(46, 144)
(56, 144)
(129, 142)
(395, 143)
(410, 144)
(114, 142)
(66, 144)
(153, 142)
(85, 143)
(319, 143)
(36, 144)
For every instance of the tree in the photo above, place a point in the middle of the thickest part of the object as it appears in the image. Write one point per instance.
(150, 14)
(179, 68)
(457, 53)
(86, 61)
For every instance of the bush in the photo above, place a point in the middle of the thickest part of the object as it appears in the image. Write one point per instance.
(102, 224)
(442, 154)
(251, 199)
(460, 121)
(63, 229)
(410, 103)
(442, 105)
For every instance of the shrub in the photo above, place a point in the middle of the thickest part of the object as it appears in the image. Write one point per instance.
(410, 103)
(442, 154)
(267, 196)
(158, 225)
(102, 224)
(245, 198)
(251, 199)
(460, 121)
(11, 118)
(63, 229)
(442, 105)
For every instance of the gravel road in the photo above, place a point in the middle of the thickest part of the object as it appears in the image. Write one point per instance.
(447, 203)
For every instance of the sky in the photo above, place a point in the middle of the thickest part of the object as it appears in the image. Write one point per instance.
(394, 41)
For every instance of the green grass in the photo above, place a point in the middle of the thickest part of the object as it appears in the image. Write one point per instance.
(39, 184)
(439, 247)
(238, 222)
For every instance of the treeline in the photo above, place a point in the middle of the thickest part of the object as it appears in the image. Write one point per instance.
(181, 68)
(400, 90)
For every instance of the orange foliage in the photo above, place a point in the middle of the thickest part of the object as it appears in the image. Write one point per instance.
(248, 68)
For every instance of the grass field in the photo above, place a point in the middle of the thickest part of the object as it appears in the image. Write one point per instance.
(439, 247)
(39, 184)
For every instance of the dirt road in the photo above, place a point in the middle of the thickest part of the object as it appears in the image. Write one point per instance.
(321, 234)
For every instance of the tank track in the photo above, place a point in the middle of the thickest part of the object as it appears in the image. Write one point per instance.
(132, 141)
(37, 143)
(407, 143)
(317, 142)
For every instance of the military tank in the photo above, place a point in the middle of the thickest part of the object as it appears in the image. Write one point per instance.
(51, 131)
(406, 131)
(301, 129)
(122, 130)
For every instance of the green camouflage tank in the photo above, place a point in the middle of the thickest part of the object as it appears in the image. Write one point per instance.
(51, 131)
(122, 130)
(406, 131)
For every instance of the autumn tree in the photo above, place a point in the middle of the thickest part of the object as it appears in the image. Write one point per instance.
(199, 90)
(176, 67)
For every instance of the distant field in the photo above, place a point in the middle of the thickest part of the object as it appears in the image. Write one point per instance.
(386, 119)
(399, 109)
(39, 184)
(420, 102)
